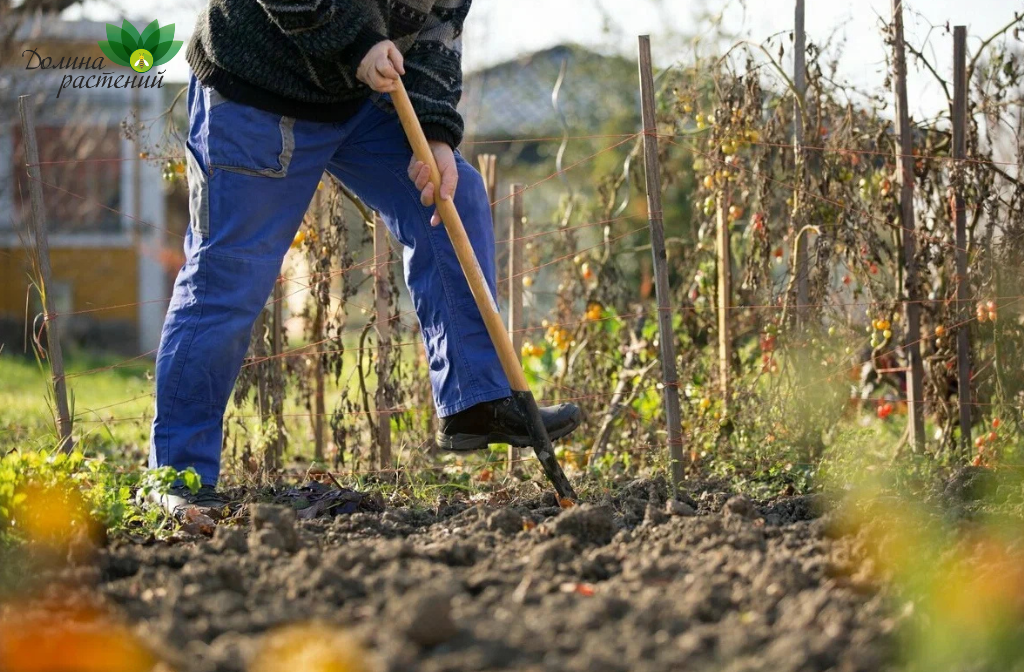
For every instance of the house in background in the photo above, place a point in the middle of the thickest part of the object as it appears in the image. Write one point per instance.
(513, 100)
(510, 111)
(110, 275)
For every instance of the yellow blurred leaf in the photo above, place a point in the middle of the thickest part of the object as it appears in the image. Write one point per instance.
(311, 647)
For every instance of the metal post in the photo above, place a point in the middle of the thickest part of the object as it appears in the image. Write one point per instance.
(54, 354)
(905, 159)
(963, 284)
(666, 337)
(382, 401)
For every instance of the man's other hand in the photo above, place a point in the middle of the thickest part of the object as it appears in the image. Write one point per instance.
(419, 173)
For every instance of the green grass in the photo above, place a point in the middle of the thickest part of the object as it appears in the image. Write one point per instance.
(102, 401)
(113, 405)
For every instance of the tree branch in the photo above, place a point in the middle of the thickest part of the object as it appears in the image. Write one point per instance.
(1017, 18)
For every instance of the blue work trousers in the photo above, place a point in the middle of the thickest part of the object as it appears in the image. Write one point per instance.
(251, 177)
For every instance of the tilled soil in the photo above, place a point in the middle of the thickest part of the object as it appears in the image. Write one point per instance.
(630, 583)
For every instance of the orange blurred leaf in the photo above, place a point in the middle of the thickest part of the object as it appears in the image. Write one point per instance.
(80, 642)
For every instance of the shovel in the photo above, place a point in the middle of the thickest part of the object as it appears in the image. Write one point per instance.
(484, 301)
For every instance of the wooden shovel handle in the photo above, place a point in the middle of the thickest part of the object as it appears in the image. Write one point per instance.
(460, 241)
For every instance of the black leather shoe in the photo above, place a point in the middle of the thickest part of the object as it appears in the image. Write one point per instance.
(502, 422)
(179, 498)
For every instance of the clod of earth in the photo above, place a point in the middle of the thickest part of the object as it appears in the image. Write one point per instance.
(425, 618)
(674, 507)
(740, 506)
(273, 528)
(505, 520)
(229, 538)
(587, 523)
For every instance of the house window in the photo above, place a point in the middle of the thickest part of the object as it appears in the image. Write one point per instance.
(81, 171)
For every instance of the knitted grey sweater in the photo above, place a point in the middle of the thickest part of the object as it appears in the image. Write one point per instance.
(299, 57)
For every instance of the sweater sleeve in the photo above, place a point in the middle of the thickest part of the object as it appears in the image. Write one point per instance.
(332, 29)
(433, 71)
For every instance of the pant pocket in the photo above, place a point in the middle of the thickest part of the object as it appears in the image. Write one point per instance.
(247, 140)
(198, 195)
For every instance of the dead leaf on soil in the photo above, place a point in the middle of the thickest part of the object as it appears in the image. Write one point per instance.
(496, 498)
(197, 522)
(317, 499)
(584, 589)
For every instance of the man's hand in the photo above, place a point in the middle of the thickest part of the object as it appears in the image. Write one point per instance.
(419, 173)
(381, 67)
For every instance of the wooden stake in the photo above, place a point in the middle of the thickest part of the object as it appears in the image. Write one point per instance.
(515, 285)
(54, 354)
(382, 290)
(488, 164)
(322, 219)
(963, 284)
(259, 351)
(724, 263)
(484, 300)
(278, 366)
(666, 337)
(319, 405)
(515, 269)
(803, 294)
(905, 159)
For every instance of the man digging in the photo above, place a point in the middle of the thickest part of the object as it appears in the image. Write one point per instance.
(280, 91)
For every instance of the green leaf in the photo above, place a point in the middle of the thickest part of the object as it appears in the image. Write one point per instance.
(129, 37)
(191, 480)
(114, 55)
(150, 36)
(167, 51)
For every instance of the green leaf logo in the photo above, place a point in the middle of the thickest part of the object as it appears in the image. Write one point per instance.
(140, 52)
